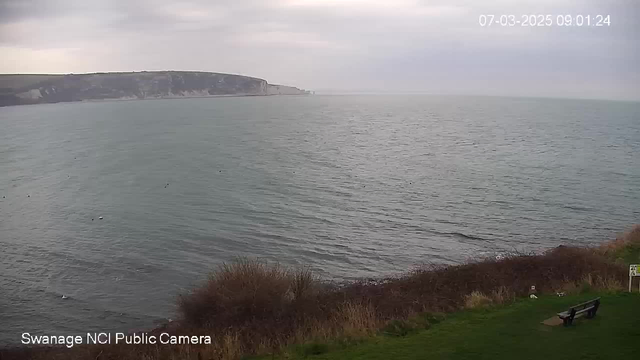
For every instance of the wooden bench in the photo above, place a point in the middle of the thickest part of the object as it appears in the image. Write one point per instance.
(589, 308)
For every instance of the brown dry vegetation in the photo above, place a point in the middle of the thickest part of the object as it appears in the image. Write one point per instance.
(252, 307)
(625, 248)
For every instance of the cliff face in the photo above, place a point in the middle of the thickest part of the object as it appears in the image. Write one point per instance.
(35, 89)
(284, 90)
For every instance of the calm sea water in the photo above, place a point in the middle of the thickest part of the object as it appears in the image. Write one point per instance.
(355, 186)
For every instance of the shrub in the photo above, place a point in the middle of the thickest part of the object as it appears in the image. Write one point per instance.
(231, 348)
(502, 295)
(239, 292)
(357, 320)
(303, 284)
(625, 249)
(477, 300)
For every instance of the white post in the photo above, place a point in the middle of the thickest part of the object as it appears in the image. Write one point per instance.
(633, 271)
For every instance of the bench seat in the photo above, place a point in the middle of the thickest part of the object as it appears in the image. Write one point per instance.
(590, 308)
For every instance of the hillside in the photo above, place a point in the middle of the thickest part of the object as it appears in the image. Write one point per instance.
(510, 331)
(36, 89)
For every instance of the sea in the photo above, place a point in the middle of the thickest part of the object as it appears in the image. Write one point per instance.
(110, 210)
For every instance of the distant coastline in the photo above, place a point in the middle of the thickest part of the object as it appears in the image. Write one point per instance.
(25, 89)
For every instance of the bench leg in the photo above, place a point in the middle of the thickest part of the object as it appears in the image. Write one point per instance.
(573, 314)
(595, 308)
(565, 321)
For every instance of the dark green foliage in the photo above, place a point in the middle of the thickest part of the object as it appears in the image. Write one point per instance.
(400, 328)
(315, 348)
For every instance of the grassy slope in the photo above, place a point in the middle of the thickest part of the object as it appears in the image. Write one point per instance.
(514, 332)
(629, 254)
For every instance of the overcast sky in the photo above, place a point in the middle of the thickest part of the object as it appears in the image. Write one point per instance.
(363, 45)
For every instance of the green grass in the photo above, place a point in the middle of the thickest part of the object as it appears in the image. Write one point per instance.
(511, 332)
(629, 254)
(625, 249)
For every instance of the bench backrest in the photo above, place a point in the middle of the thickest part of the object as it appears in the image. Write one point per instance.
(584, 304)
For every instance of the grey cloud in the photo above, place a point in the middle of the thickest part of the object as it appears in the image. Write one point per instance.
(342, 44)
(15, 10)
